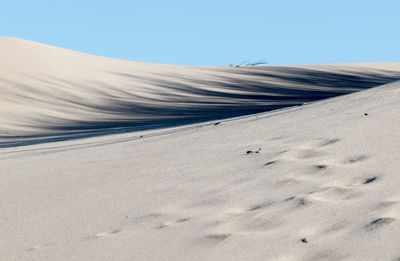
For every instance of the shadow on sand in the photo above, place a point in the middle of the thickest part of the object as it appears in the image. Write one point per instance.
(179, 100)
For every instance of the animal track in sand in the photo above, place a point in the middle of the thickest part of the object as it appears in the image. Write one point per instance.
(259, 223)
(329, 142)
(301, 202)
(322, 255)
(309, 149)
(318, 169)
(287, 182)
(38, 247)
(270, 163)
(152, 217)
(261, 206)
(216, 238)
(244, 220)
(253, 151)
(335, 193)
(290, 198)
(355, 159)
(105, 234)
(386, 205)
(212, 239)
(303, 153)
(172, 223)
(337, 227)
(379, 223)
(370, 179)
(298, 202)
(211, 200)
(364, 180)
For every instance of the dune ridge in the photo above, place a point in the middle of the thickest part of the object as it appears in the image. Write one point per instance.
(49, 93)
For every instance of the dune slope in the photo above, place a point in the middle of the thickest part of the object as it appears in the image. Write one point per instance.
(324, 186)
(48, 93)
(312, 182)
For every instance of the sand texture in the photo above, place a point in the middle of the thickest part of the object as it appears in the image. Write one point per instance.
(177, 178)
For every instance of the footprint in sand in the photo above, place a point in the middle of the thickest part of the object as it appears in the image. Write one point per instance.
(285, 182)
(253, 151)
(386, 205)
(298, 201)
(369, 180)
(379, 223)
(329, 142)
(260, 206)
(307, 150)
(335, 193)
(213, 239)
(217, 237)
(259, 223)
(172, 223)
(366, 180)
(39, 247)
(322, 255)
(303, 153)
(147, 218)
(355, 159)
(337, 227)
(106, 234)
(318, 169)
(273, 162)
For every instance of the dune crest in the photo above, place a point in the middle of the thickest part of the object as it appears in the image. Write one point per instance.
(49, 93)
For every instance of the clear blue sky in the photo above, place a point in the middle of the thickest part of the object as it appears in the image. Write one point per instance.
(214, 32)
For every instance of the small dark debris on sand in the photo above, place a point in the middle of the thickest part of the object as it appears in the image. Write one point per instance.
(302, 202)
(217, 123)
(366, 114)
(378, 223)
(252, 151)
(320, 167)
(331, 141)
(304, 240)
(357, 159)
(269, 163)
(261, 206)
(218, 237)
(369, 180)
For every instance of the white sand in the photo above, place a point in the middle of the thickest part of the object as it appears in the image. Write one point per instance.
(327, 172)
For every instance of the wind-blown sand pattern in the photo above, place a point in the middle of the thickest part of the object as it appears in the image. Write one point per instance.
(49, 93)
(312, 182)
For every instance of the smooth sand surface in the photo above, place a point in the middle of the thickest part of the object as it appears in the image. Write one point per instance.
(313, 182)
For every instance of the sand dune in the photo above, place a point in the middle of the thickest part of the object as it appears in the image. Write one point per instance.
(312, 182)
(49, 93)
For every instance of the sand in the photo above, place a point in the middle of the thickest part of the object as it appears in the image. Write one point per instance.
(312, 182)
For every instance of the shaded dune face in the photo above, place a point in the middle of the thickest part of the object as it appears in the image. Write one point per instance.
(49, 94)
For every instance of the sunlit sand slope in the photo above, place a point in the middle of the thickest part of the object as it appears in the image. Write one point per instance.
(310, 183)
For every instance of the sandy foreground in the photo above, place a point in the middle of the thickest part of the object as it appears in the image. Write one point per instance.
(177, 178)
